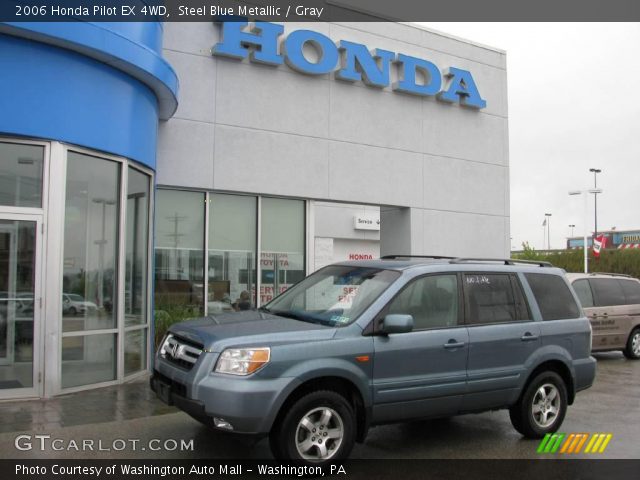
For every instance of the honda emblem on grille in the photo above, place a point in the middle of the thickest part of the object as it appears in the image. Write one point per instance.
(174, 350)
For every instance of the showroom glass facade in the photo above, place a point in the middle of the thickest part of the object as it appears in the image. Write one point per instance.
(89, 294)
(237, 230)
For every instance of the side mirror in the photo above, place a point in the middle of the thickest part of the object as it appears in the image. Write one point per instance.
(397, 323)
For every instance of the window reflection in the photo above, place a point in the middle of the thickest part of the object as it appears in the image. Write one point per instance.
(232, 247)
(90, 243)
(179, 287)
(282, 257)
(21, 175)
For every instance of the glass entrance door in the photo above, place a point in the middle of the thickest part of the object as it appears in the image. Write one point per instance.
(19, 305)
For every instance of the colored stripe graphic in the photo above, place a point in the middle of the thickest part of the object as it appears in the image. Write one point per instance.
(574, 442)
(551, 442)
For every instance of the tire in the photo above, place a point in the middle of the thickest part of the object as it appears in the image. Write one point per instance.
(632, 350)
(72, 311)
(542, 407)
(323, 412)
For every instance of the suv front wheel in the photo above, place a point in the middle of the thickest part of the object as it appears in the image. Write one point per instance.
(542, 407)
(318, 428)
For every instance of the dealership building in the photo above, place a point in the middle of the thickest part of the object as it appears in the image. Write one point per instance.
(151, 172)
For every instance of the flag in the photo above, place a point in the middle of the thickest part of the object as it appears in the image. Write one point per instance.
(599, 243)
(544, 222)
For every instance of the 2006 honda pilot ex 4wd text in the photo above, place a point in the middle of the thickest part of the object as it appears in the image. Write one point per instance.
(369, 342)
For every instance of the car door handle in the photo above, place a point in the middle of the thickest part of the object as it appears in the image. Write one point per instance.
(528, 337)
(453, 344)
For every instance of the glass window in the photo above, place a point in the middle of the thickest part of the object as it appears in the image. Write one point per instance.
(631, 289)
(607, 292)
(583, 290)
(21, 175)
(135, 351)
(90, 243)
(137, 232)
(490, 299)
(431, 300)
(232, 252)
(553, 296)
(88, 359)
(179, 253)
(334, 295)
(282, 257)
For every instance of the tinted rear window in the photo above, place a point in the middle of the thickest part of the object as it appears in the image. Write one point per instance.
(607, 292)
(490, 299)
(631, 290)
(553, 296)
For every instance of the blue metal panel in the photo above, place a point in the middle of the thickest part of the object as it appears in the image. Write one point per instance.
(49, 92)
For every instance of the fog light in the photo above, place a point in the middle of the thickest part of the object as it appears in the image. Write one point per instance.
(222, 423)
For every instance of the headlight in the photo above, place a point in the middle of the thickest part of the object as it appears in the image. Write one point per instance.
(242, 361)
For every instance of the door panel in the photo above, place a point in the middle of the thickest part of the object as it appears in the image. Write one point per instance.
(415, 375)
(18, 306)
(497, 358)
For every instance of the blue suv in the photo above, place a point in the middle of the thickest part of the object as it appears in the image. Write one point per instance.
(362, 343)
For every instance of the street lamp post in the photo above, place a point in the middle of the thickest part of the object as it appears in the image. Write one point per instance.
(595, 171)
(548, 215)
(572, 227)
(586, 216)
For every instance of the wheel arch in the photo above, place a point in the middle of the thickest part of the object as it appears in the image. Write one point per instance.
(338, 384)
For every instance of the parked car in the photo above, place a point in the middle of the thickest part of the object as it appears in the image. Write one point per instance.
(73, 304)
(612, 304)
(362, 343)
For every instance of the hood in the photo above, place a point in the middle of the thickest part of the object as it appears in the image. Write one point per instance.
(249, 328)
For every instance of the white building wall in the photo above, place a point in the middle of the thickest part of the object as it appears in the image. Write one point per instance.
(244, 127)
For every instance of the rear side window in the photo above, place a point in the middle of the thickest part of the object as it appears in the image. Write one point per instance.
(583, 290)
(553, 296)
(490, 298)
(607, 292)
(631, 290)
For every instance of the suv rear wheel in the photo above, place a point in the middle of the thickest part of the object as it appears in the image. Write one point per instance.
(542, 407)
(318, 428)
(632, 351)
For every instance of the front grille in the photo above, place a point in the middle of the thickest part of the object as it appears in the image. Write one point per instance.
(181, 352)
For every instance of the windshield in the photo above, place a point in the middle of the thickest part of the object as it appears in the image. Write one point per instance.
(334, 296)
(76, 298)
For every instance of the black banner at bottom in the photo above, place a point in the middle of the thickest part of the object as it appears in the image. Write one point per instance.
(535, 469)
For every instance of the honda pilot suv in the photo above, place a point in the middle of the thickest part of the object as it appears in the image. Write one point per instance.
(362, 343)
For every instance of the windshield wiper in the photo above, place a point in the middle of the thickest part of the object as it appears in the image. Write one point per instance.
(264, 309)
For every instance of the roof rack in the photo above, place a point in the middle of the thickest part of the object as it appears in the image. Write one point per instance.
(435, 257)
(612, 274)
(506, 261)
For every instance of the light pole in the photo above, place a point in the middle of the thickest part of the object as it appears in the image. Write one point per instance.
(586, 216)
(572, 227)
(595, 171)
(548, 215)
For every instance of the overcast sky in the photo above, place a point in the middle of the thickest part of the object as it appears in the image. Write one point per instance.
(574, 104)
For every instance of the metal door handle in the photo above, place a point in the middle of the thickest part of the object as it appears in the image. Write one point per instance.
(453, 344)
(527, 337)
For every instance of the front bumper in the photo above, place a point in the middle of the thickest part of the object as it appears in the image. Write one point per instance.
(249, 404)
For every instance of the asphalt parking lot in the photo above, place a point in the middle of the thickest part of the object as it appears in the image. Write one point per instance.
(129, 412)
